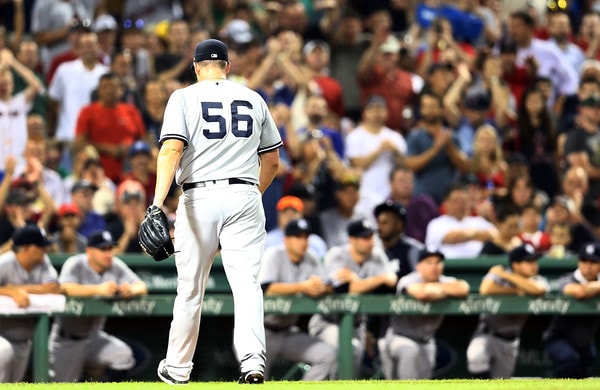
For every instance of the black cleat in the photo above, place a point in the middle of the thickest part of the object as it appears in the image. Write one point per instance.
(252, 377)
(163, 374)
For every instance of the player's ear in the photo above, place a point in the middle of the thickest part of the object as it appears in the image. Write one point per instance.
(228, 67)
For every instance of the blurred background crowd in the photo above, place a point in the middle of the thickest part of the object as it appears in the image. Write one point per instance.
(478, 116)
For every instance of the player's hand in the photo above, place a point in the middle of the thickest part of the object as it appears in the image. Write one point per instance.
(314, 286)
(21, 297)
(390, 279)
(344, 275)
(108, 289)
(125, 291)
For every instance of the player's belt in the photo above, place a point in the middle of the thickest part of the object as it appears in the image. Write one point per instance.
(201, 184)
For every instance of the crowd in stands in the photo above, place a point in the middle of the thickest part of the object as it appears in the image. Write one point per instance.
(464, 127)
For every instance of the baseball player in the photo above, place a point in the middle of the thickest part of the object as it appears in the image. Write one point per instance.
(358, 267)
(408, 350)
(493, 350)
(77, 343)
(24, 270)
(569, 341)
(291, 269)
(215, 135)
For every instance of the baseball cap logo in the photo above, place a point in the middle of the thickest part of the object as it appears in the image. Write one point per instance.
(529, 248)
(213, 55)
(106, 236)
(590, 249)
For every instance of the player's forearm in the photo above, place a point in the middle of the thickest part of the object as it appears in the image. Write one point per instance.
(361, 286)
(46, 288)
(528, 286)
(489, 287)
(269, 163)
(284, 289)
(81, 290)
(457, 289)
(166, 165)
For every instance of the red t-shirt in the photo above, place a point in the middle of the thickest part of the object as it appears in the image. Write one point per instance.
(121, 124)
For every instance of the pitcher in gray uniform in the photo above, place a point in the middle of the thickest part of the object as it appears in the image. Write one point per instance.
(80, 343)
(358, 267)
(220, 143)
(24, 270)
(408, 349)
(293, 269)
(494, 348)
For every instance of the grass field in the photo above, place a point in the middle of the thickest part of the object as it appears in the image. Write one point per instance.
(512, 384)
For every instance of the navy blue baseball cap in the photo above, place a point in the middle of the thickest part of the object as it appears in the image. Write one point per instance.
(360, 228)
(139, 147)
(524, 252)
(394, 207)
(590, 251)
(425, 253)
(101, 239)
(211, 50)
(297, 227)
(31, 235)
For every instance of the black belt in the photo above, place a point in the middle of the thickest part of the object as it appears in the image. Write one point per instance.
(200, 184)
(68, 336)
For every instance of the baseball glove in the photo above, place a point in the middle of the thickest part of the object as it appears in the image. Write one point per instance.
(154, 235)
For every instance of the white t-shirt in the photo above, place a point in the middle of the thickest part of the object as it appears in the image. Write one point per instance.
(72, 87)
(440, 226)
(374, 184)
(13, 129)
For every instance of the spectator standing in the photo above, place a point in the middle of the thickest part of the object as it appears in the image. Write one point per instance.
(175, 63)
(110, 125)
(71, 88)
(379, 74)
(374, 149)
(130, 210)
(433, 152)
(14, 108)
(494, 348)
(143, 168)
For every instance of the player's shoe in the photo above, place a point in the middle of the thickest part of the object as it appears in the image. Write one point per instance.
(252, 377)
(164, 376)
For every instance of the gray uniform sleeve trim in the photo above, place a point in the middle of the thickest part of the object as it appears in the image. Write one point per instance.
(270, 148)
(174, 136)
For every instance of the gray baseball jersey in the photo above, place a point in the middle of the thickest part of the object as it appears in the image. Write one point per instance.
(195, 117)
(417, 327)
(276, 267)
(339, 257)
(224, 127)
(77, 269)
(509, 325)
(11, 272)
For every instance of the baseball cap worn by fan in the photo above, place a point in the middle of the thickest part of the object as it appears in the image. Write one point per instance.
(590, 252)
(297, 227)
(104, 23)
(391, 206)
(68, 209)
(139, 147)
(101, 239)
(31, 235)
(360, 228)
(524, 252)
(18, 197)
(84, 185)
(375, 101)
(315, 43)
(564, 201)
(211, 50)
(290, 202)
